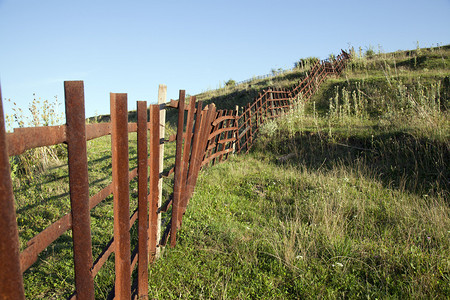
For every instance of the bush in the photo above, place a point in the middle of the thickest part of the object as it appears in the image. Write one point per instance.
(230, 83)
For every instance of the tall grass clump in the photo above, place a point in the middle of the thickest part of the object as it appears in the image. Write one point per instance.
(34, 161)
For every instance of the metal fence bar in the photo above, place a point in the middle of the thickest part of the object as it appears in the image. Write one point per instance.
(204, 137)
(177, 192)
(79, 188)
(142, 199)
(11, 282)
(23, 139)
(119, 137)
(196, 153)
(186, 155)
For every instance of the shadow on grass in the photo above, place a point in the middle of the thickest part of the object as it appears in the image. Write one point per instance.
(398, 160)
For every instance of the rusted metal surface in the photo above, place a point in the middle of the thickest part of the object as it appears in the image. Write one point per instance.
(42, 240)
(186, 156)
(201, 146)
(154, 180)
(110, 248)
(11, 282)
(223, 118)
(195, 157)
(23, 139)
(204, 140)
(224, 139)
(172, 138)
(212, 145)
(103, 257)
(79, 188)
(142, 198)
(134, 260)
(165, 207)
(221, 130)
(94, 131)
(177, 187)
(213, 156)
(119, 137)
(276, 102)
(168, 173)
(175, 104)
(205, 128)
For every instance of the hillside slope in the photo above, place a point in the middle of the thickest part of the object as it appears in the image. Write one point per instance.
(345, 197)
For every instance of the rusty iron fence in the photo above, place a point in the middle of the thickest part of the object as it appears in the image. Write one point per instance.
(194, 135)
(204, 137)
(275, 102)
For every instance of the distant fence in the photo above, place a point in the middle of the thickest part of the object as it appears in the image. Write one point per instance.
(204, 136)
(274, 102)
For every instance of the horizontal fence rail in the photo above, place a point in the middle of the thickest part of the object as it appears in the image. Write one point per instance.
(205, 136)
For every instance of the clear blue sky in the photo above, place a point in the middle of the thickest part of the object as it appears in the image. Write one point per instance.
(132, 46)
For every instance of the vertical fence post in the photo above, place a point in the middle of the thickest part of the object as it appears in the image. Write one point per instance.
(162, 93)
(196, 157)
(154, 179)
(244, 115)
(178, 171)
(186, 156)
(119, 137)
(11, 282)
(236, 132)
(142, 199)
(217, 138)
(250, 126)
(79, 188)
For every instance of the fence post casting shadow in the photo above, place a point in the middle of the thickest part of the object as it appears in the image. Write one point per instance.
(119, 143)
(11, 282)
(79, 188)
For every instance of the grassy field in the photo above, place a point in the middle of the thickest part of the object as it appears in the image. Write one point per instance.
(345, 197)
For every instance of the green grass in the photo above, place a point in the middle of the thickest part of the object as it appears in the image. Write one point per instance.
(42, 198)
(345, 197)
(259, 229)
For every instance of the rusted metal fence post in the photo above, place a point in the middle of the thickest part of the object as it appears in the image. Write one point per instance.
(79, 188)
(142, 199)
(119, 137)
(177, 187)
(250, 127)
(11, 282)
(196, 158)
(154, 179)
(186, 155)
(236, 132)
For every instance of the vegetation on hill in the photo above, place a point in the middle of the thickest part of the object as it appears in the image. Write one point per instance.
(347, 196)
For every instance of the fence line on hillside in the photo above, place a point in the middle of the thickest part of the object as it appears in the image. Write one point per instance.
(204, 136)
(274, 102)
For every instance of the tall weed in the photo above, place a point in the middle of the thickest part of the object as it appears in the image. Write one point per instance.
(34, 161)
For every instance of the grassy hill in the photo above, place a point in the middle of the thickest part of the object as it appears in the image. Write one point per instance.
(346, 196)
